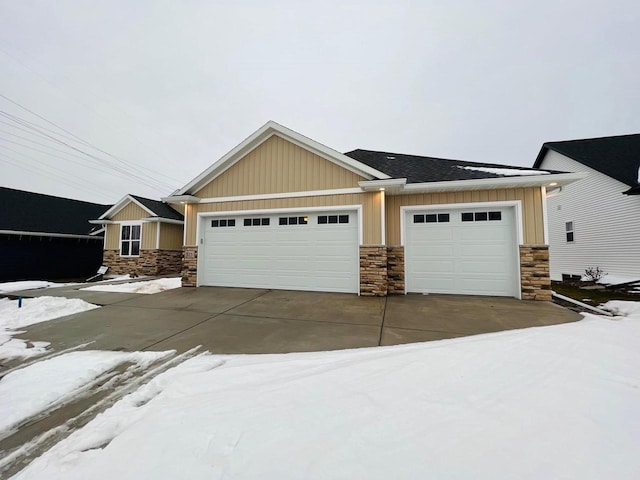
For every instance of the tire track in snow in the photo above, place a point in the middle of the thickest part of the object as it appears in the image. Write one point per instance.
(93, 402)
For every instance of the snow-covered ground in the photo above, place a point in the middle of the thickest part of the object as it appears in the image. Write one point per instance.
(8, 287)
(550, 402)
(43, 385)
(151, 286)
(34, 310)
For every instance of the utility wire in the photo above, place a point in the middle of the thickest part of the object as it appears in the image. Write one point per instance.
(119, 160)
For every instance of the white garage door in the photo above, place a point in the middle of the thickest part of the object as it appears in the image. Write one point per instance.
(294, 251)
(468, 251)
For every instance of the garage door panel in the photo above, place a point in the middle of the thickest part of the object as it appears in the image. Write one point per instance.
(299, 257)
(472, 257)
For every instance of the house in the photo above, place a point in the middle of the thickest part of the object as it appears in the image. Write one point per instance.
(43, 237)
(142, 237)
(283, 211)
(595, 222)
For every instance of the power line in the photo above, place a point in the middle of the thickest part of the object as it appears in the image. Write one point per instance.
(119, 160)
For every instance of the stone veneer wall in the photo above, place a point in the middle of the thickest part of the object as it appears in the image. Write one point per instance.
(189, 266)
(395, 270)
(534, 272)
(150, 262)
(373, 270)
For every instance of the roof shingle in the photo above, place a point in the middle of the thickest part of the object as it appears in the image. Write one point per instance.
(618, 157)
(35, 212)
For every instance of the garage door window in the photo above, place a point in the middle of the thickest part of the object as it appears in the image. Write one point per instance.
(256, 222)
(227, 222)
(328, 219)
(293, 220)
(432, 218)
(481, 216)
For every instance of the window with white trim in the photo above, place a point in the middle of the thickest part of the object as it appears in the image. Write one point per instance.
(130, 236)
(568, 231)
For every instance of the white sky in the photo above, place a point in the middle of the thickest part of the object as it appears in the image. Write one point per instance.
(168, 87)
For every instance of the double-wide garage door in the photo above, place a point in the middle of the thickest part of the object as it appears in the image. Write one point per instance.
(469, 251)
(315, 251)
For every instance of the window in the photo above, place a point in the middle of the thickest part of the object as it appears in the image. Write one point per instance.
(225, 222)
(568, 229)
(431, 218)
(293, 220)
(130, 240)
(324, 219)
(248, 222)
(481, 216)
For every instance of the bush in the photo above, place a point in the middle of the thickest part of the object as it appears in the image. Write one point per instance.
(593, 274)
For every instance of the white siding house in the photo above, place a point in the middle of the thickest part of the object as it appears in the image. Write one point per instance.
(591, 222)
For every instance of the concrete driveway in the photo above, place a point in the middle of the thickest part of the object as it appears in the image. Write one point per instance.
(236, 320)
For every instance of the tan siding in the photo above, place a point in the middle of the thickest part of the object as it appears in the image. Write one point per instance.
(112, 237)
(370, 210)
(170, 236)
(278, 166)
(130, 212)
(531, 199)
(149, 236)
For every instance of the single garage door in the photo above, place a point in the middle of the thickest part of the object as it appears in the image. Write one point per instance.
(315, 251)
(466, 251)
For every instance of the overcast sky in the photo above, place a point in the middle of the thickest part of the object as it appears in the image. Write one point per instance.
(165, 88)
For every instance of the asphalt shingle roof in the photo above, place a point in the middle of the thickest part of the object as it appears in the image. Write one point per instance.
(34, 212)
(618, 157)
(159, 209)
(418, 169)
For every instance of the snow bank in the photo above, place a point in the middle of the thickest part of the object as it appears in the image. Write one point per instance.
(34, 310)
(623, 308)
(151, 286)
(9, 287)
(549, 402)
(505, 171)
(43, 385)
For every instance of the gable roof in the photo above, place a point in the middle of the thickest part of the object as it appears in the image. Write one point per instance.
(155, 208)
(419, 169)
(263, 134)
(617, 157)
(30, 212)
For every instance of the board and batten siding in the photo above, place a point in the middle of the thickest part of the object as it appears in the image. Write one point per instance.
(131, 212)
(370, 202)
(531, 198)
(279, 166)
(606, 223)
(171, 236)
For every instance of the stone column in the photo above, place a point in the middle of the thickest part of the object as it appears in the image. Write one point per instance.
(534, 272)
(373, 270)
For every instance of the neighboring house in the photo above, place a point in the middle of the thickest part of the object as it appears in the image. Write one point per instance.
(47, 238)
(143, 237)
(286, 212)
(595, 222)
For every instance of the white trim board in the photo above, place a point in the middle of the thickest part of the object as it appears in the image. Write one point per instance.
(270, 196)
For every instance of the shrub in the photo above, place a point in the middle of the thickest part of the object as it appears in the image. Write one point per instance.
(593, 274)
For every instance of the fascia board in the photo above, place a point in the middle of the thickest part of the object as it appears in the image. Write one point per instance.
(162, 220)
(180, 199)
(493, 183)
(260, 136)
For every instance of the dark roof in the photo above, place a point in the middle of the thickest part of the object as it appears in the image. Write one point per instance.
(159, 209)
(34, 212)
(417, 169)
(618, 157)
